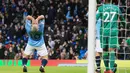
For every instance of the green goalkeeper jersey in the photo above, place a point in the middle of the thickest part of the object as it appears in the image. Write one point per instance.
(109, 14)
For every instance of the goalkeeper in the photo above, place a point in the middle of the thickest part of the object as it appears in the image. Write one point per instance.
(109, 14)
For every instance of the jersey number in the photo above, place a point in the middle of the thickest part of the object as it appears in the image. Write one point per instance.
(109, 16)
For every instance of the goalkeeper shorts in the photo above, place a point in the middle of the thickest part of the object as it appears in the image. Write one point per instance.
(109, 42)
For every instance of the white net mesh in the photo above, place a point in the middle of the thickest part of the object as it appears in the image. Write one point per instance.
(122, 54)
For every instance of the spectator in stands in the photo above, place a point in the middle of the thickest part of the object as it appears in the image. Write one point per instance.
(128, 17)
(63, 54)
(2, 49)
(66, 26)
(51, 43)
(69, 15)
(82, 53)
(1, 18)
(6, 56)
(1, 37)
(11, 53)
(127, 49)
(71, 54)
(51, 16)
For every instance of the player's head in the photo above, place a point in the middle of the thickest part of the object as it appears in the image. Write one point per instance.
(34, 28)
(108, 1)
(34, 25)
(111, 1)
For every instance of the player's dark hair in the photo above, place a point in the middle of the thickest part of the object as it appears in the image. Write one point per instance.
(109, 0)
(112, 1)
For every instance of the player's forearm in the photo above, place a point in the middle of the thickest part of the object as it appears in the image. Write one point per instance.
(40, 17)
(30, 18)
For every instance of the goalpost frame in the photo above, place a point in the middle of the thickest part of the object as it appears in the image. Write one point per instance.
(91, 36)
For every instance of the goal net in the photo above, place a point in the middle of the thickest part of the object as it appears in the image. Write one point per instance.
(121, 34)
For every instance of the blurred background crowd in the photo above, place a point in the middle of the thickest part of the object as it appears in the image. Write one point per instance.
(65, 32)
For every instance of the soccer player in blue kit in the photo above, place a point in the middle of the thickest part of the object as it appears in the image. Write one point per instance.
(35, 29)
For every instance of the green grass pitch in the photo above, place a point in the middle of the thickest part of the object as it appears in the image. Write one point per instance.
(18, 69)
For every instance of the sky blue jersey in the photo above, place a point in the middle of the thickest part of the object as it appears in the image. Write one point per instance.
(98, 25)
(35, 37)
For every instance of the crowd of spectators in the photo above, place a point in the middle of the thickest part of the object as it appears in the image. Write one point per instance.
(65, 27)
(65, 31)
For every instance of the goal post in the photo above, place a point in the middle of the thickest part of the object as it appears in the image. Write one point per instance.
(91, 36)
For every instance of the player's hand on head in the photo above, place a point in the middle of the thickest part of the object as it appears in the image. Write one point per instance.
(40, 17)
(30, 17)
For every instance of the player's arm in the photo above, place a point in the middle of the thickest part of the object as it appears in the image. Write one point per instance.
(30, 22)
(29, 18)
(41, 19)
(98, 14)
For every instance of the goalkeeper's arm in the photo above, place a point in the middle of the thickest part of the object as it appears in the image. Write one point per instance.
(98, 14)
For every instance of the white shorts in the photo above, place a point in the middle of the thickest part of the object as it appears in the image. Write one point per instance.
(42, 50)
(98, 46)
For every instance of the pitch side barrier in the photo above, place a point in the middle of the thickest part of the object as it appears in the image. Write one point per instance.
(121, 63)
